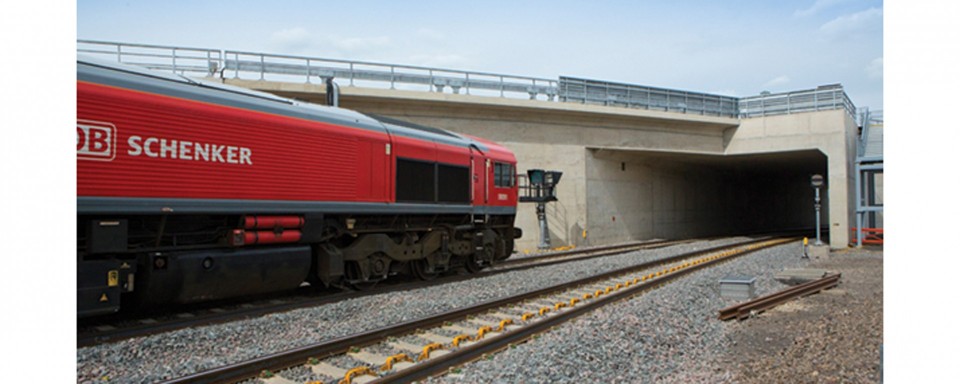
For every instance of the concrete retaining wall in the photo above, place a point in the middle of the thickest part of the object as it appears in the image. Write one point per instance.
(616, 194)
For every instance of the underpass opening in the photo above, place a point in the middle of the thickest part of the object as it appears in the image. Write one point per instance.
(640, 194)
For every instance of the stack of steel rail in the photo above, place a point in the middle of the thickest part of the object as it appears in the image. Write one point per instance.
(751, 308)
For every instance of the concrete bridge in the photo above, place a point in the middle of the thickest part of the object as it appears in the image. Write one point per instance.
(633, 170)
(632, 174)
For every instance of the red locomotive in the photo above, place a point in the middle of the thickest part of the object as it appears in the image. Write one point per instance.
(190, 191)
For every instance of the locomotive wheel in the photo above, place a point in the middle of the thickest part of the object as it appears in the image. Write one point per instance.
(419, 268)
(472, 265)
(355, 279)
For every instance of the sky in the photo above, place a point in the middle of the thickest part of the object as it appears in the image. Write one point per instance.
(737, 48)
(733, 48)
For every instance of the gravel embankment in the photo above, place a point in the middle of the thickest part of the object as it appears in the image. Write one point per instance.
(182, 352)
(833, 337)
(672, 335)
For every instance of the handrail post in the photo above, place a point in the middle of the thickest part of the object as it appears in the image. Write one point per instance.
(467, 85)
(174, 60)
(392, 70)
(501, 85)
(351, 73)
(308, 71)
(119, 53)
(262, 66)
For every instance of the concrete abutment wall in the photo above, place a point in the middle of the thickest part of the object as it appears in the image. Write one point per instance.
(635, 174)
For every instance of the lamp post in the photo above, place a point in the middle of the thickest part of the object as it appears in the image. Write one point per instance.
(816, 181)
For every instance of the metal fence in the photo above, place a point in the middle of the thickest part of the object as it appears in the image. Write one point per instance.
(262, 66)
(435, 79)
(586, 91)
(182, 60)
(822, 98)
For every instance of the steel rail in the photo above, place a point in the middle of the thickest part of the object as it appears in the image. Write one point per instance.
(604, 250)
(282, 360)
(760, 304)
(117, 334)
(440, 364)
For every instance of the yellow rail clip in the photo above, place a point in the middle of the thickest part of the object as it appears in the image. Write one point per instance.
(425, 354)
(348, 378)
(460, 338)
(388, 365)
(483, 331)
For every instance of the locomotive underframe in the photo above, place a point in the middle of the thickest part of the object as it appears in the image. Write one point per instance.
(158, 260)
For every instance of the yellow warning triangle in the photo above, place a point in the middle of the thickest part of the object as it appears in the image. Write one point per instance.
(104, 298)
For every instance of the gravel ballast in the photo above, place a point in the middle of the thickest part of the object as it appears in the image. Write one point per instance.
(672, 334)
(675, 348)
(179, 353)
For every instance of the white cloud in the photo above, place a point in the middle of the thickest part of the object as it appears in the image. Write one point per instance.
(439, 60)
(291, 39)
(817, 6)
(855, 22)
(777, 81)
(430, 34)
(358, 43)
(875, 69)
(300, 41)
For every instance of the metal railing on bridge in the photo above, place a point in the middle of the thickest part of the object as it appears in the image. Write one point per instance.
(263, 66)
(288, 68)
(586, 91)
(822, 98)
(436, 79)
(182, 60)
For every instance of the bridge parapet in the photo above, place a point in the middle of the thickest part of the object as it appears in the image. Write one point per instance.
(822, 98)
(288, 68)
(577, 90)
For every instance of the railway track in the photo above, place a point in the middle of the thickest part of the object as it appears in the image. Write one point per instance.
(751, 308)
(122, 328)
(420, 348)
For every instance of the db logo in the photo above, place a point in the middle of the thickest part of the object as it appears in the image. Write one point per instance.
(96, 140)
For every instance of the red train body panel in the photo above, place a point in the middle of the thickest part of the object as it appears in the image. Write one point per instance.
(174, 148)
(168, 147)
(173, 176)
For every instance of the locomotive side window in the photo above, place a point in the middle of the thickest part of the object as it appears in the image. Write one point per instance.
(454, 185)
(429, 182)
(416, 181)
(503, 175)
